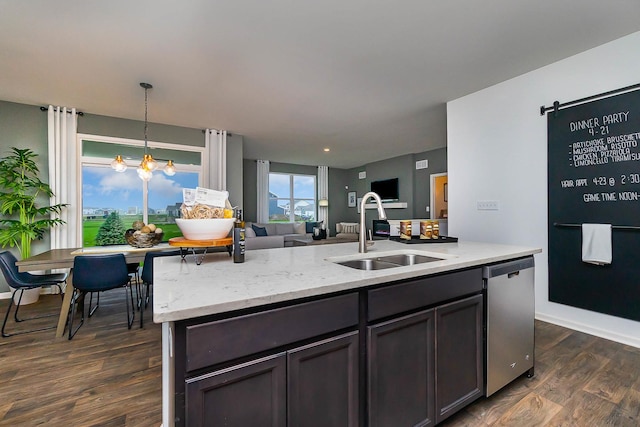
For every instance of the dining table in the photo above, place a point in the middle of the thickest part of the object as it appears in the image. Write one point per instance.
(63, 259)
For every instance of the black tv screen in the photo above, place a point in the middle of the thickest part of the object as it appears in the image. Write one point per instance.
(387, 189)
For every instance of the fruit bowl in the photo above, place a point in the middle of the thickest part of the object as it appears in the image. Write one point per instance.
(205, 229)
(142, 240)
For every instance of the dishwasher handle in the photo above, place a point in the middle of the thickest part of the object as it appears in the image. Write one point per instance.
(509, 268)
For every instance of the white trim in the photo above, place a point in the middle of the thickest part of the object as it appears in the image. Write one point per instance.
(104, 161)
(588, 329)
(432, 191)
(138, 142)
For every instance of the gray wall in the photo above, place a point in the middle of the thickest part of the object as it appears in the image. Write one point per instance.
(26, 126)
(414, 185)
(422, 179)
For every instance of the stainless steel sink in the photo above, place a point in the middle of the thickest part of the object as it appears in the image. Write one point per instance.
(407, 259)
(387, 261)
(368, 264)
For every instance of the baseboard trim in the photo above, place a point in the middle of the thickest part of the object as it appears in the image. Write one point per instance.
(588, 329)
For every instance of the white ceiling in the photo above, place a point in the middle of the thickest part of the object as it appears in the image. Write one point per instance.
(367, 78)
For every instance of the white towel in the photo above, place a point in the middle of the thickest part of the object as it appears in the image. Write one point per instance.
(596, 243)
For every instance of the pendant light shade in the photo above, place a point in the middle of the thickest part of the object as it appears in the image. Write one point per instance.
(148, 163)
(118, 164)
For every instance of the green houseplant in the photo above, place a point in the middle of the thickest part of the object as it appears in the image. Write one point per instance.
(24, 218)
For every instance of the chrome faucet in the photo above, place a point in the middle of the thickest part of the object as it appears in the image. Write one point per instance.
(362, 239)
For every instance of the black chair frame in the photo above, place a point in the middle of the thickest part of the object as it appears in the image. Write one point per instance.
(147, 276)
(21, 282)
(82, 275)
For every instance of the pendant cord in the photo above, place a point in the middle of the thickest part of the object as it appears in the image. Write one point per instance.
(145, 120)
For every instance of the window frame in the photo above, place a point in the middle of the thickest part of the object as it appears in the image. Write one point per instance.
(82, 161)
(291, 199)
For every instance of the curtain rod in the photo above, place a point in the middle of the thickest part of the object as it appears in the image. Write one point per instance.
(80, 113)
(617, 227)
(218, 132)
(557, 105)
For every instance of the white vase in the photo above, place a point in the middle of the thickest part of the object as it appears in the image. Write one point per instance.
(29, 297)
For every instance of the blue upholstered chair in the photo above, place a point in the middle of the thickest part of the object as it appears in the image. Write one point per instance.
(22, 281)
(147, 276)
(98, 273)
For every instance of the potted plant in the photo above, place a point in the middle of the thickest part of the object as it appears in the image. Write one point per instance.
(25, 217)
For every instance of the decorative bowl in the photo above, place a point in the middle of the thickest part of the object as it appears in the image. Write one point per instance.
(205, 229)
(142, 240)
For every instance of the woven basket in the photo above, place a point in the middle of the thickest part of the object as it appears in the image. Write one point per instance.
(142, 240)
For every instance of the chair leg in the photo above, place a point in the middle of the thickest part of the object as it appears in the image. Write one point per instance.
(34, 317)
(72, 311)
(93, 310)
(130, 314)
(6, 317)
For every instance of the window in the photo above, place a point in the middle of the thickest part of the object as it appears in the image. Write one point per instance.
(292, 197)
(106, 193)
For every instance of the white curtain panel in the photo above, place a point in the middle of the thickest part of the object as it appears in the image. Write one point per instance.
(323, 193)
(262, 189)
(63, 174)
(216, 140)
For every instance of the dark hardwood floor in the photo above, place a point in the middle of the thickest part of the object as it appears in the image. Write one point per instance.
(105, 376)
(110, 376)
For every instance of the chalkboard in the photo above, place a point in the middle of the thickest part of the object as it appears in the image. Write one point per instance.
(594, 177)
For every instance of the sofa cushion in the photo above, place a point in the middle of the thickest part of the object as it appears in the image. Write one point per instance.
(299, 228)
(284, 228)
(260, 231)
(264, 242)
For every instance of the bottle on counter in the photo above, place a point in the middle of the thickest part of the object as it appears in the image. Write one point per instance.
(435, 232)
(238, 237)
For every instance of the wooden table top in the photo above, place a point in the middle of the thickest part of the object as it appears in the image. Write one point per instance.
(186, 243)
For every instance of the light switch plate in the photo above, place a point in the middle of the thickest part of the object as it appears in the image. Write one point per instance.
(488, 205)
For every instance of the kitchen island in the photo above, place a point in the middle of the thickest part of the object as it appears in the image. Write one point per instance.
(291, 336)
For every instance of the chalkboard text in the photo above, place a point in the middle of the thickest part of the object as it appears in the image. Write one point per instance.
(599, 122)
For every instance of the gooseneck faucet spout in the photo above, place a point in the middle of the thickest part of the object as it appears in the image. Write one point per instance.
(362, 238)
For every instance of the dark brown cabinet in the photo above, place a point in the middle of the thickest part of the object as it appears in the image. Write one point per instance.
(323, 383)
(311, 386)
(251, 394)
(459, 361)
(408, 353)
(427, 365)
(401, 371)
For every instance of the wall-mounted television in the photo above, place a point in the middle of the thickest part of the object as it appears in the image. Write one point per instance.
(387, 189)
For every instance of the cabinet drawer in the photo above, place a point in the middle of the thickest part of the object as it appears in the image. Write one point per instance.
(415, 294)
(216, 342)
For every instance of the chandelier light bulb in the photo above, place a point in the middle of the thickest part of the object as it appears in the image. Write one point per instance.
(118, 164)
(170, 169)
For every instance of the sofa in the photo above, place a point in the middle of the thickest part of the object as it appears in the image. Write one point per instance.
(277, 234)
(348, 230)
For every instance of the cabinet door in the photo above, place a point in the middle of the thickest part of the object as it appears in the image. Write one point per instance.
(458, 355)
(323, 383)
(251, 394)
(401, 371)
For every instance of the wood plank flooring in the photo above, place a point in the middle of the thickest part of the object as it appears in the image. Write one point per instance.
(110, 376)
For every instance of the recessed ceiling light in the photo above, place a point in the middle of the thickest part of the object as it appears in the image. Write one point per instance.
(327, 149)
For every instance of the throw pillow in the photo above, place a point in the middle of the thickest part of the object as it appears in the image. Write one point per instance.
(260, 231)
(350, 228)
(299, 228)
(310, 225)
(248, 232)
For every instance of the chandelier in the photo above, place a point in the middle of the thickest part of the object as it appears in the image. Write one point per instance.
(148, 163)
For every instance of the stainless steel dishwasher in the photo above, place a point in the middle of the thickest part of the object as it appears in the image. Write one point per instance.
(510, 321)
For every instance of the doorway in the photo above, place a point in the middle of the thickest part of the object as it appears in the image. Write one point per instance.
(439, 196)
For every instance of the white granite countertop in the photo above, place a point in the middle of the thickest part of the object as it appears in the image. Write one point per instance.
(184, 290)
